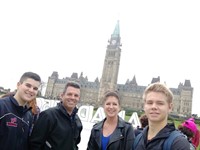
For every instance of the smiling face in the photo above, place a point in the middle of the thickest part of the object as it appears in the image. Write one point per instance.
(111, 106)
(70, 98)
(26, 91)
(157, 107)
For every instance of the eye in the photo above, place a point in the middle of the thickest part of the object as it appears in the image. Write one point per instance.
(160, 103)
(115, 104)
(149, 102)
(35, 88)
(69, 94)
(28, 85)
(107, 103)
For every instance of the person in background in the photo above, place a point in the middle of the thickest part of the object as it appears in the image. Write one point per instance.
(8, 94)
(112, 133)
(59, 127)
(35, 111)
(15, 116)
(188, 128)
(157, 105)
(196, 137)
(144, 123)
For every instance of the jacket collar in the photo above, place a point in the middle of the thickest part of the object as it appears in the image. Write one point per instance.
(99, 125)
(63, 110)
(163, 133)
(116, 135)
(21, 109)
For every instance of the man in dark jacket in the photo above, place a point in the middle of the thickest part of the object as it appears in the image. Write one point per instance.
(15, 117)
(157, 105)
(59, 127)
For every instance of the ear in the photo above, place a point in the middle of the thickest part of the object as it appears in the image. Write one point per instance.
(18, 84)
(170, 107)
(61, 95)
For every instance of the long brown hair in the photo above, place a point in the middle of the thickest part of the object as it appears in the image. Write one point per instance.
(33, 104)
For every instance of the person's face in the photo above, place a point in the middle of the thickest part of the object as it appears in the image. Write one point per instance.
(27, 90)
(111, 106)
(156, 107)
(70, 98)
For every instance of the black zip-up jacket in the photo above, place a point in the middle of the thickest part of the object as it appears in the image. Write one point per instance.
(15, 123)
(55, 129)
(156, 143)
(121, 139)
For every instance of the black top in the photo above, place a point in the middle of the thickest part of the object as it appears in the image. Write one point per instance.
(121, 139)
(56, 129)
(180, 143)
(15, 123)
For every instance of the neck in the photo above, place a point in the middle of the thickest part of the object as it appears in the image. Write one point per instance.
(112, 120)
(19, 100)
(154, 128)
(69, 110)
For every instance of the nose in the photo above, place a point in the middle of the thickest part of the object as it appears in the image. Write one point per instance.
(111, 106)
(154, 106)
(31, 89)
(73, 96)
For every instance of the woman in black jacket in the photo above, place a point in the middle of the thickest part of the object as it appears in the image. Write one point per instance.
(112, 133)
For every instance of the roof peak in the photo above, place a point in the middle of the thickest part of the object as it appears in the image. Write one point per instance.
(116, 31)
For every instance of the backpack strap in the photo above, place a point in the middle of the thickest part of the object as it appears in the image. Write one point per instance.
(137, 140)
(168, 142)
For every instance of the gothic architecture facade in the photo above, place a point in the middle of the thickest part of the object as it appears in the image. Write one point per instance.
(130, 92)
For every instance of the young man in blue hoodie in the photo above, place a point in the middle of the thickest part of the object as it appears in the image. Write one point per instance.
(15, 116)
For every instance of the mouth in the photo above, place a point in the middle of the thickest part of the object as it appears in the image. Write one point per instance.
(29, 95)
(154, 113)
(111, 112)
(71, 102)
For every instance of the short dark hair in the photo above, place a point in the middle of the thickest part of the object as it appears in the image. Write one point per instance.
(31, 75)
(111, 93)
(73, 84)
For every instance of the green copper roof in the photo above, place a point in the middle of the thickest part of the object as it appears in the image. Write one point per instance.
(116, 31)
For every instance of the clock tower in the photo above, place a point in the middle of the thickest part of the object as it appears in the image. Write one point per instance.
(111, 64)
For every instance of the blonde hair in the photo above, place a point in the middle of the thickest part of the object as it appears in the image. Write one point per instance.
(160, 88)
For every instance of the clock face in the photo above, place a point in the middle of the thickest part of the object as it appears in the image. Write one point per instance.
(114, 42)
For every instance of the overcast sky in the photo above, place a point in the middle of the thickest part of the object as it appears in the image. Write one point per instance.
(159, 38)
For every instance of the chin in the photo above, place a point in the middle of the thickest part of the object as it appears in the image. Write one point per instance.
(111, 116)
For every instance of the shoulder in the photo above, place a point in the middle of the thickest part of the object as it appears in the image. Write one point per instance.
(5, 104)
(138, 131)
(51, 109)
(49, 113)
(123, 123)
(98, 125)
(181, 142)
(5, 100)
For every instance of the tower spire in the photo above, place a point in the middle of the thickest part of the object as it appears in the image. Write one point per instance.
(116, 32)
(111, 64)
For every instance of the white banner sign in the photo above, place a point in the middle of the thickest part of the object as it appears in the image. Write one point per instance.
(85, 112)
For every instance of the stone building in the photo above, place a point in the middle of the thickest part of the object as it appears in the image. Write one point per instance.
(131, 92)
